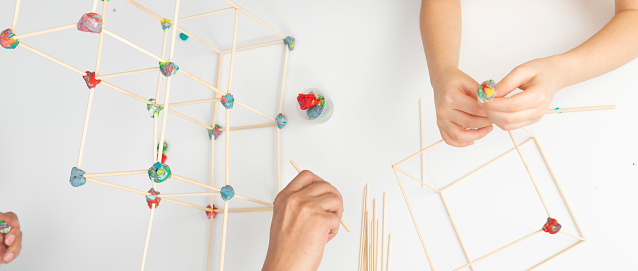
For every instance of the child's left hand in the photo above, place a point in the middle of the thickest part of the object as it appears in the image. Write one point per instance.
(539, 79)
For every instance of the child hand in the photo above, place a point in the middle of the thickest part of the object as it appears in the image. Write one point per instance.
(459, 116)
(539, 79)
(10, 243)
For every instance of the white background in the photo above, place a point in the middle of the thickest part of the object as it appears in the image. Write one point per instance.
(368, 56)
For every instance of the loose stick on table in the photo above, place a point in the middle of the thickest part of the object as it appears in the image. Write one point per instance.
(417, 180)
(148, 237)
(45, 31)
(16, 11)
(529, 173)
(419, 152)
(560, 190)
(422, 140)
(119, 173)
(458, 236)
(76, 70)
(498, 250)
(205, 14)
(254, 110)
(270, 124)
(485, 165)
(363, 220)
(374, 233)
(127, 73)
(299, 170)
(580, 109)
(257, 45)
(195, 102)
(189, 118)
(427, 255)
(387, 268)
(556, 255)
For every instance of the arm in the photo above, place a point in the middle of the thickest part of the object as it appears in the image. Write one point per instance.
(460, 118)
(305, 218)
(613, 46)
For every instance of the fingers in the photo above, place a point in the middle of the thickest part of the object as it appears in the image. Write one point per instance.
(456, 136)
(11, 219)
(303, 179)
(3, 247)
(334, 221)
(514, 120)
(527, 99)
(14, 250)
(468, 121)
(517, 78)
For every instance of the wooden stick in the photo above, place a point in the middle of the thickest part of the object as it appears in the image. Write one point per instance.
(232, 54)
(185, 203)
(184, 72)
(447, 210)
(135, 46)
(139, 98)
(385, 213)
(157, 93)
(195, 102)
(184, 179)
(299, 170)
(416, 226)
(174, 34)
(529, 173)
(363, 221)
(485, 165)
(498, 250)
(555, 255)
(270, 124)
(228, 147)
(422, 140)
(254, 200)
(86, 126)
(419, 152)
(283, 81)
(45, 31)
(259, 21)
(199, 40)
(119, 173)
(189, 118)
(560, 189)
(212, 164)
(205, 14)
(188, 194)
(210, 242)
(127, 73)
(76, 70)
(144, 9)
(375, 228)
(16, 11)
(278, 160)
(254, 110)
(101, 40)
(572, 235)
(224, 227)
(580, 109)
(117, 186)
(387, 268)
(417, 180)
(257, 45)
(94, 8)
(148, 237)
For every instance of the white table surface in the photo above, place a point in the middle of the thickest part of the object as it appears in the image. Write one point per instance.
(368, 56)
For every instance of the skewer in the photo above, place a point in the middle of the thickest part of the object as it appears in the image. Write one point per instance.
(199, 40)
(76, 70)
(556, 255)
(205, 14)
(16, 11)
(139, 98)
(529, 173)
(184, 72)
(580, 109)
(118, 173)
(195, 102)
(148, 237)
(257, 45)
(232, 54)
(456, 231)
(283, 81)
(278, 160)
(45, 31)
(270, 124)
(188, 118)
(127, 73)
(417, 180)
(385, 213)
(299, 170)
(135, 46)
(389, 246)
(363, 220)
(422, 141)
(224, 227)
(419, 152)
(254, 110)
(212, 164)
(498, 250)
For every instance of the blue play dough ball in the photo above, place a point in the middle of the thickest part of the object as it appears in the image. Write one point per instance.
(227, 192)
(183, 36)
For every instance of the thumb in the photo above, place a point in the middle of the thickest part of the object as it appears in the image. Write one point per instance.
(515, 79)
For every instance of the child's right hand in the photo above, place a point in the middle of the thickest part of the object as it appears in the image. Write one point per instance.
(460, 117)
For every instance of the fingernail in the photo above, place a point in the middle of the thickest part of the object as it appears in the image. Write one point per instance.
(470, 143)
(490, 129)
(10, 239)
(8, 257)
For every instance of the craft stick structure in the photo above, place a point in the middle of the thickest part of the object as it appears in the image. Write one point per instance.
(93, 23)
(550, 226)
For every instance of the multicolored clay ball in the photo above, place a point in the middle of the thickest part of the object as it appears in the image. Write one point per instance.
(290, 42)
(4, 227)
(211, 214)
(159, 172)
(153, 198)
(551, 226)
(6, 39)
(281, 121)
(228, 101)
(90, 80)
(486, 91)
(227, 192)
(168, 68)
(153, 108)
(214, 132)
(166, 23)
(91, 23)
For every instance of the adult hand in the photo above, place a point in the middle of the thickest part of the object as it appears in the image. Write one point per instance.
(306, 216)
(539, 79)
(11, 242)
(459, 116)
